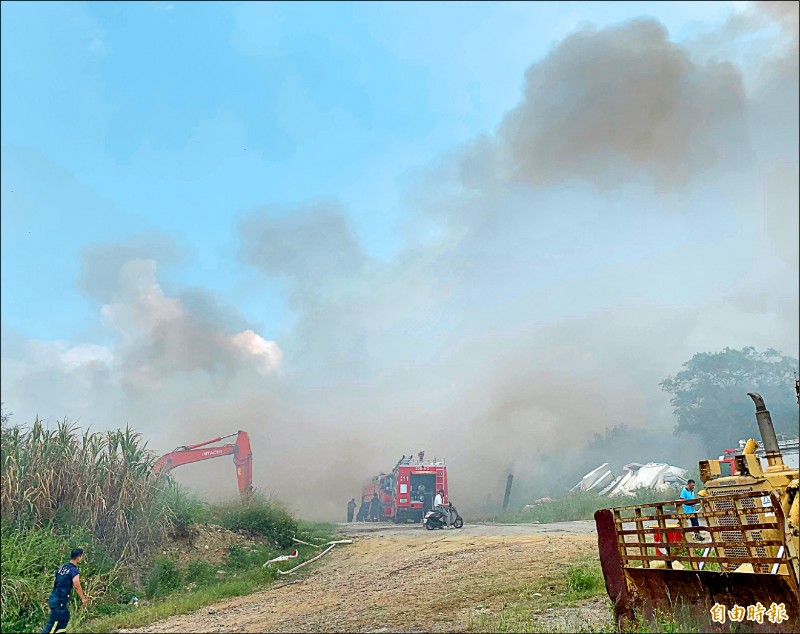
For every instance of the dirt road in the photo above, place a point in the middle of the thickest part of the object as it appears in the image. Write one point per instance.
(401, 579)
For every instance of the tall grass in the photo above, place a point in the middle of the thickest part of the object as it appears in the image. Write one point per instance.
(29, 558)
(185, 508)
(101, 481)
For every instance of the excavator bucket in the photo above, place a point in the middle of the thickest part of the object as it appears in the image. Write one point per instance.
(741, 577)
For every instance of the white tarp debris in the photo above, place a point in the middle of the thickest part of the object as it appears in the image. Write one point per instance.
(653, 475)
(609, 487)
(602, 482)
(591, 478)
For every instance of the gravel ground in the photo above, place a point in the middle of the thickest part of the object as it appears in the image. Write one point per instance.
(406, 579)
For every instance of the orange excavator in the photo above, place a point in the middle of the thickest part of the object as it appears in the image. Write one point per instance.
(240, 450)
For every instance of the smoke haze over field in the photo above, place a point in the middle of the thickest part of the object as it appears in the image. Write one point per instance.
(637, 206)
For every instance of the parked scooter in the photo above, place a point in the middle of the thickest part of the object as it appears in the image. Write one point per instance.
(435, 519)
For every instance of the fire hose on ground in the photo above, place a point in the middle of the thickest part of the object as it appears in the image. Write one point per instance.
(300, 541)
(330, 546)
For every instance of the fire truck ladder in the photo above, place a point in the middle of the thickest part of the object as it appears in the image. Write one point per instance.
(439, 479)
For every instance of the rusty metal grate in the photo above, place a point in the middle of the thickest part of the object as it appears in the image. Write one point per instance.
(650, 533)
(735, 538)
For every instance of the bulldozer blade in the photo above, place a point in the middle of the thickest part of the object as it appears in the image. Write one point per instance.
(688, 596)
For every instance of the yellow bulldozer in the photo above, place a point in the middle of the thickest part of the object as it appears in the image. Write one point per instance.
(736, 571)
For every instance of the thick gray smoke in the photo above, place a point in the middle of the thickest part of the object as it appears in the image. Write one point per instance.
(612, 105)
(639, 205)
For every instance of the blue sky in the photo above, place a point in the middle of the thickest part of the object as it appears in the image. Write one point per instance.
(121, 119)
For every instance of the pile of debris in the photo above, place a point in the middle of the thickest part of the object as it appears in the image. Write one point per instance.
(653, 475)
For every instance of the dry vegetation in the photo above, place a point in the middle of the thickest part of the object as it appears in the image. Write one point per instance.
(64, 487)
(101, 481)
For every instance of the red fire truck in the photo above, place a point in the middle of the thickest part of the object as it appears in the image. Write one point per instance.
(409, 490)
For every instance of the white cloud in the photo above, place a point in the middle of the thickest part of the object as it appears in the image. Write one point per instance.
(267, 354)
(85, 354)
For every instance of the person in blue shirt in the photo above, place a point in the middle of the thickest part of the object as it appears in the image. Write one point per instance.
(67, 577)
(687, 493)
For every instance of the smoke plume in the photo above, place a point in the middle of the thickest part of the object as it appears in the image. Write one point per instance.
(616, 104)
(637, 206)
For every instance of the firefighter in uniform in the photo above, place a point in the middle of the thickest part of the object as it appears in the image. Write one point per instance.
(363, 510)
(424, 497)
(374, 508)
(351, 508)
(67, 577)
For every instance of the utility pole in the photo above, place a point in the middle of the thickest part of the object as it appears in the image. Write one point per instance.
(508, 490)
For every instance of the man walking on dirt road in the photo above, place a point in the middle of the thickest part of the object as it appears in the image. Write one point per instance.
(443, 508)
(67, 577)
(351, 509)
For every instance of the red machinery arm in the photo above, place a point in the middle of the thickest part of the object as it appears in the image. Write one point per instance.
(242, 458)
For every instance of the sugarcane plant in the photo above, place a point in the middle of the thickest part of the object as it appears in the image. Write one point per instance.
(100, 481)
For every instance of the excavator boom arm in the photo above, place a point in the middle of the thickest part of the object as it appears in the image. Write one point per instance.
(241, 452)
(243, 459)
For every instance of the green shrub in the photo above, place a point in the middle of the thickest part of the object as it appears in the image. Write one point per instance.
(259, 516)
(200, 572)
(583, 580)
(243, 558)
(163, 578)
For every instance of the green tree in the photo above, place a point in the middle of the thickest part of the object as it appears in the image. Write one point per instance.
(709, 396)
